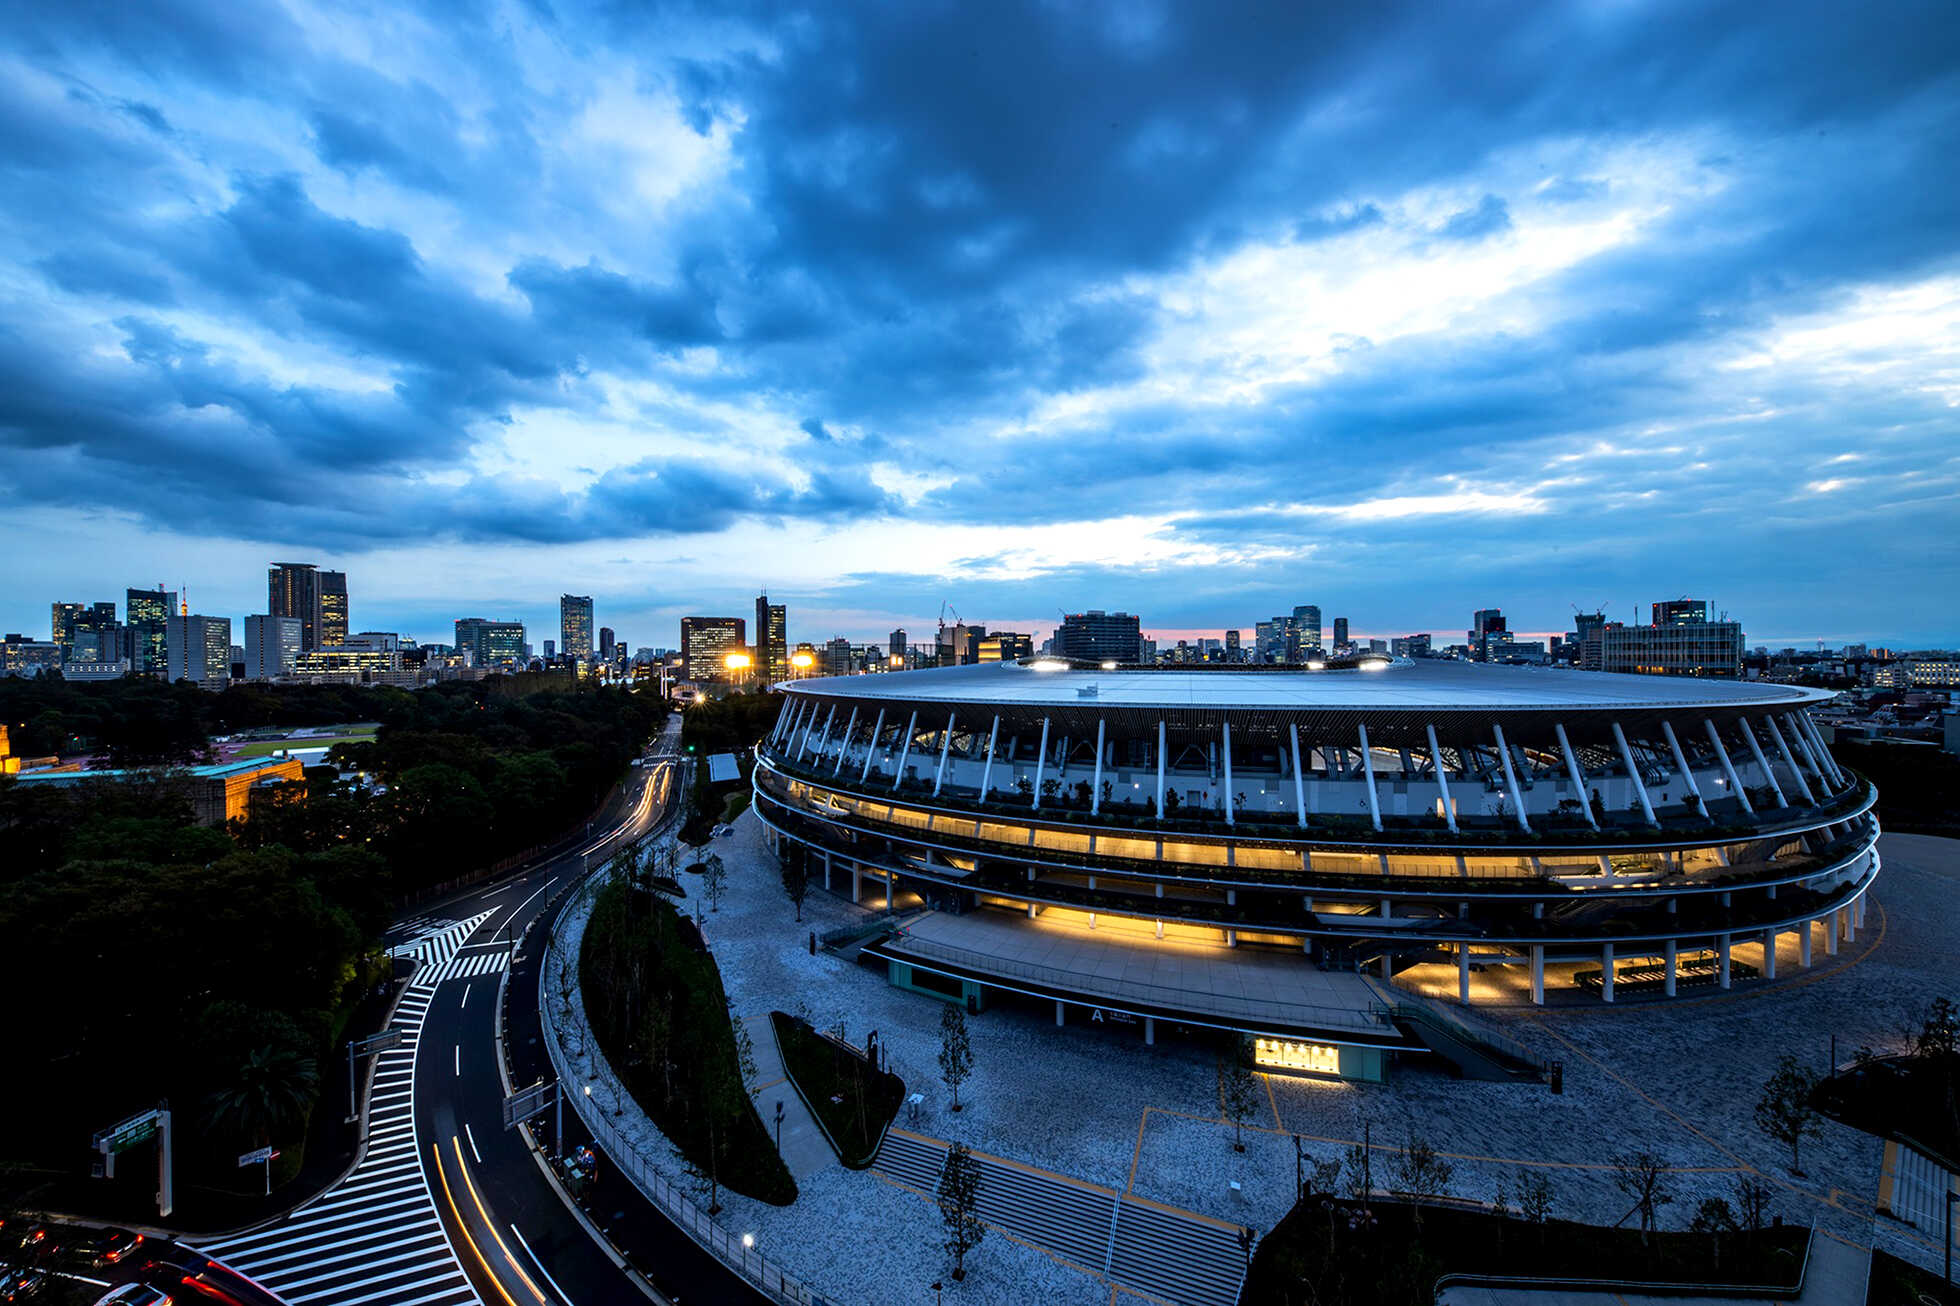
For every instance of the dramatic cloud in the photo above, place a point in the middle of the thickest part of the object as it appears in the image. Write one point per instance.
(1201, 311)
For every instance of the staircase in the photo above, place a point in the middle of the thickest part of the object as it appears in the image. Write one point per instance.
(1157, 1252)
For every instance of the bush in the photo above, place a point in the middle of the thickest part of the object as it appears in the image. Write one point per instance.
(853, 1100)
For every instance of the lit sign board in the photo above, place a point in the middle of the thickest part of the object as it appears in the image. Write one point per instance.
(1279, 1054)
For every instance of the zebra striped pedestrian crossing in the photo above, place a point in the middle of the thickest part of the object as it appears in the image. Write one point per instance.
(436, 946)
(471, 961)
(373, 1239)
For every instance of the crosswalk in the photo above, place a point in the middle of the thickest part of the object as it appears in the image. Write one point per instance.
(436, 944)
(478, 959)
(374, 1239)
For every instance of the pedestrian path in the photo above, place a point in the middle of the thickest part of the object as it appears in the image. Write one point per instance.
(476, 959)
(437, 943)
(373, 1239)
(1144, 1247)
(804, 1148)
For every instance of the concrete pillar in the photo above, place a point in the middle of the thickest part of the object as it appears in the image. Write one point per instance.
(1463, 973)
(1040, 763)
(1031, 911)
(1538, 974)
(1092, 920)
(1388, 965)
(844, 742)
(1728, 767)
(1578, 776)
(871, 749)
(1762, 763)
(1633, 774)
(1149, 1031)
(857, 883)
(987, 771)
(889, 877)
(1803, 945)
(1510, 778)
(1681, 761)
(1831, 926)
(1807, 753)
(826, 874)
(1231, 938)
(1226, 730)
(945, 747)
(1160, 929)
(1095, 785)
(1789, 760)
(904, 751)
(1368, 771)
(1058, 1012)
(1442, 778)
(1606, 972)
(1769, 954)
(1673, 958)
(1299, 781)
(1722, 961)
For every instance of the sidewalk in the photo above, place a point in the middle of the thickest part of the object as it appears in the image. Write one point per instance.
(805, 1149)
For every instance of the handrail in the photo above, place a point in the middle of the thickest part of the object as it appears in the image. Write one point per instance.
(1504, 1045)
(764, 1274)
(1300, 1013)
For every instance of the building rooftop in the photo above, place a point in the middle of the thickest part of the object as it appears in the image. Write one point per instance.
(1398, 684)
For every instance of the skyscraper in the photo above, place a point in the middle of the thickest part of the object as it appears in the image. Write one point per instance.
(771, 638)
(1306, 631)
(706, 643)
(575, 627)
(897, 642)
(608, 643)
(333, 609)
(1487, 633)
(271, 646)
(61, 626)
(293, 590)
(144, 614)
(490, 644)
(1340, 635)
(94, 635)
(198, 648)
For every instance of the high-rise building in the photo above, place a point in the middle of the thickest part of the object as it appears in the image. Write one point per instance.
(144, 612)
(1409, 646)
(1233, 652)
(608, 642)
(271, 646)
(491, 644)
(1681, 642)
(771, 639)
(1003, 646)
(1306, 631)
(839, 658)
(293, 590)
(1098, 636)
(550, 649)
(1488, 634)
(896, 641)
(61, 626)
(1680, 612)
(575, 627)
(1340, 635)
(706, 643)
(198, 648)
(333, 608)
(95, 636)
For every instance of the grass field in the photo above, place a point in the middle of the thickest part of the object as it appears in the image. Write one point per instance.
(267, 747)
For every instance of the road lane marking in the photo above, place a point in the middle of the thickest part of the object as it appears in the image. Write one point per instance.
(459, 1061)
(466, 996)
(472, 1137)
(540, 1264)
(502, 1246)
(463, 1225)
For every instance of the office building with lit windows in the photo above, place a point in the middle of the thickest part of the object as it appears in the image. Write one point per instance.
(707, 643)
(333, 608)
(491, 644)
(198, 648)
(1316, 857)
(575, 627)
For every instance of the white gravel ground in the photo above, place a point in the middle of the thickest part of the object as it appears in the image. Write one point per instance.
(1092, 1102)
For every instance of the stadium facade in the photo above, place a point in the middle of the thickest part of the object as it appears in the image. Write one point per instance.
(1300, 854)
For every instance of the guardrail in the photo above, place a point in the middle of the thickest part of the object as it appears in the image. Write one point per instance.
(1443, 1022)
(669, 1198)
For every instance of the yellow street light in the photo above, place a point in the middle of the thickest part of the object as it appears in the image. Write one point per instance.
(736, 662)
(802, 661)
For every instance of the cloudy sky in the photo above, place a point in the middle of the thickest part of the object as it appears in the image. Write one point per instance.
(1199, 311)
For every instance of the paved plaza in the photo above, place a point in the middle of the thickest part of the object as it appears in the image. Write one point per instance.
(1092, 1103)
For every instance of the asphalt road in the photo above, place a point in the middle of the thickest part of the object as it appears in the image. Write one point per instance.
(507, 1222)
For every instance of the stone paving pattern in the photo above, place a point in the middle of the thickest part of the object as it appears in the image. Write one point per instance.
(1091, 1102)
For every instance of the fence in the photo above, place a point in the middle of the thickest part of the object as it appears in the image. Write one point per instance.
(669, 1198)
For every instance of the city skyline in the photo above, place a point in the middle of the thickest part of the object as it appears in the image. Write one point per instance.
(1193, 324)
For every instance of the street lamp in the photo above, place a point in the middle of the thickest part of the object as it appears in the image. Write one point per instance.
(738, 664)
(802, 662)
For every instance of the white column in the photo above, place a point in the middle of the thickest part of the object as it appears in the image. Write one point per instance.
(803, 738)
(1040, 763)
(1538, 974)
(1578, 776)
(1803, 945)
(1442, 778)
(1803, 747)
(1368, 770)
(1463, 973)
(1606, 972)
(823, 736)
(857, 882)
(987, 771)
(871, 749)
(1095, 785)
(1299, 781)
(844, 745)
(1149, 1031)
(1681, 760)
(905, 750)
(1823, 750)
(1633, 774)
(1722, 961)
(1510, 777)
(1058, 1011)
(1769, 954)
(945, 747)
(1227, 728)
(1728, 767)
(1783, 750)
(1673, 958)
(783, 717)
(1160, 768)
(1762, 763)
(1831, 927)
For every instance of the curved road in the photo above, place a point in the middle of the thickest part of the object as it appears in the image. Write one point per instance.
(506, 1222)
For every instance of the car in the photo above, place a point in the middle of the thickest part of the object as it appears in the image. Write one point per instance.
(99, 1247)
(135, 1294)
(22, 1284)
(32, 1242)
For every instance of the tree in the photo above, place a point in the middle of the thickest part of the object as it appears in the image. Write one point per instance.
(796, 878)
(744, 1045)
(1939, 1036)
(955, 1050)
(714, 879)
(267, 1093)
(1534, 1199)
(1714, 1218)
(1421, 1172)
(959, 1192)
(1238, 1090)
(1643, 1176)
(1752, 1201)
(1359, 1173)
(1784, 1112)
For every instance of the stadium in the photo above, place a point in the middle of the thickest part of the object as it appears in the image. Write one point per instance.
(1327, 858)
